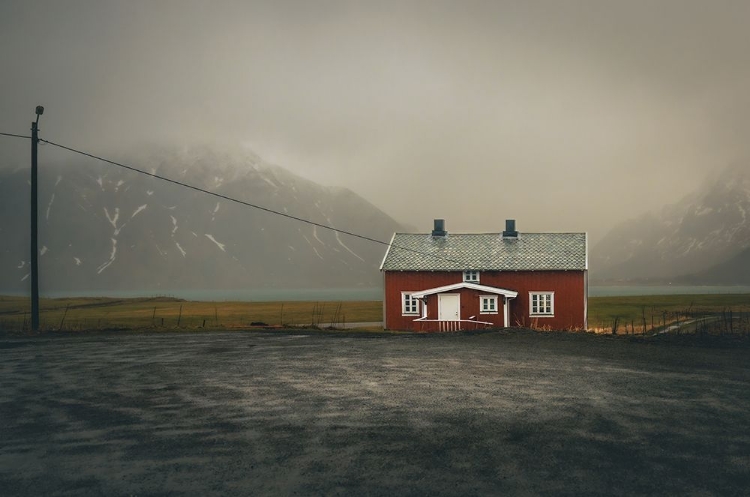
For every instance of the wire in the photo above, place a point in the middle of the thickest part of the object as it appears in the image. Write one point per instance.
(14, 135)
(242, 202)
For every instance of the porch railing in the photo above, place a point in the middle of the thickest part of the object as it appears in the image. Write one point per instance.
(458, 325)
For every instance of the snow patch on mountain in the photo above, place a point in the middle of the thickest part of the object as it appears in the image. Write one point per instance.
(315, 235)
(338, 239)
(49, 206)
(111, 259)
(112, 219)
(220, 245)
(312, 247)
(44, 250)
(269, 181)
(138, 210)
(182, 251)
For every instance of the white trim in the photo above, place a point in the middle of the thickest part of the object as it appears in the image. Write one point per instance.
(586, 250)
(403, 304)
(506, 311)
(551, 301)
(386, 252)
(471, 280)
(492, 298)
(471, 286)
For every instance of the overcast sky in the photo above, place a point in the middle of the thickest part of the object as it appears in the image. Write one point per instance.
(565, 115)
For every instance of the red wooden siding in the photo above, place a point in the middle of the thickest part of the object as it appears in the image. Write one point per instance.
(568, 287)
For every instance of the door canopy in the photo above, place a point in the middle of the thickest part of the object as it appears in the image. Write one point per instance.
(510, 294)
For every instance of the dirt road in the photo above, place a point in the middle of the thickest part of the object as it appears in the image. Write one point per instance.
(514, 413)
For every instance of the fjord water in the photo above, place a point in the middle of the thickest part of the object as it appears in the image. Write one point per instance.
(633, 290)
(365, 294)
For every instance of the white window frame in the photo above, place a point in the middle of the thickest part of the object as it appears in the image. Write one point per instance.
(471, 276)
(491, 298)
(409, 305)
(542, 314)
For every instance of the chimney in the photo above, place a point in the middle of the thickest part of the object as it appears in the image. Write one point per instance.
(510, 229)
(439, 229)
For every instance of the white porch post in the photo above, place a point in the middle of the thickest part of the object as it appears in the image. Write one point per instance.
(505, 311)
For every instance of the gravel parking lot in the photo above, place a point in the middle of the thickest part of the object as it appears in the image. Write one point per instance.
(513, 412)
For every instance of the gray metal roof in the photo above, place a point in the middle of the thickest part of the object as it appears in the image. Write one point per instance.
(486, 252)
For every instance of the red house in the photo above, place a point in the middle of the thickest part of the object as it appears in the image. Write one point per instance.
(447, 282)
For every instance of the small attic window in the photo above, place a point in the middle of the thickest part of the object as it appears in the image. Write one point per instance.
(471, 276)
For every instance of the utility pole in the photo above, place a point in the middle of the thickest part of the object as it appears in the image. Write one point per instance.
(34, 237)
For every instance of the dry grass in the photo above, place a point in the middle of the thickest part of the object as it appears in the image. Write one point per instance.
(642, 314)
(166, 313)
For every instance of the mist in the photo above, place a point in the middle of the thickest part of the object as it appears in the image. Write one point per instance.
(567, 116)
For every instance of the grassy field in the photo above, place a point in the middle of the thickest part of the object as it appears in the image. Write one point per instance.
(166, 313)
(644, 313)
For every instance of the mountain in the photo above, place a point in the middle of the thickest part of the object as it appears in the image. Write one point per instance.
(734, 271)
(102, 227)
(707, 229)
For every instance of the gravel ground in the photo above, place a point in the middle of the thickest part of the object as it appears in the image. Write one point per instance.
(255, 413)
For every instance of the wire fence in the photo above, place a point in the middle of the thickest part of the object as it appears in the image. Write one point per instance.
(686, 321)
(174, 314)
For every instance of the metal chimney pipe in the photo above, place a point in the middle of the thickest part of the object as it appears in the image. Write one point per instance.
(510, 229)
(439, 228)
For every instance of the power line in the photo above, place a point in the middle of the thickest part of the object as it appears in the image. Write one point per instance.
(15, 135)
(241, 202)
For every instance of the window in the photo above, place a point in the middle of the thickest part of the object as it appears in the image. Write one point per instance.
(488, 304)
(542, 303)
(409, 305)
(471, 276)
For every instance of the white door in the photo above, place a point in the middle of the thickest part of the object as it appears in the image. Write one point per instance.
(449, 307)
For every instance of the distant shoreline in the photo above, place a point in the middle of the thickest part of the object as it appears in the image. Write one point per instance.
(363, 294)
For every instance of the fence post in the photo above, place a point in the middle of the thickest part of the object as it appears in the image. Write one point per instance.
(63, 318)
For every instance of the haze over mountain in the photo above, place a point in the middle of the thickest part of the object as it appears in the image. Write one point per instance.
(703, 238)
(106, 228)
(551, 112)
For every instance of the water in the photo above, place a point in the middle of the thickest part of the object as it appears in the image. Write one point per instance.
(633, 290)
(363, 294)
(245, 295)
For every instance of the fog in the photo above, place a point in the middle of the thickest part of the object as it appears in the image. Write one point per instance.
(563, 115)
